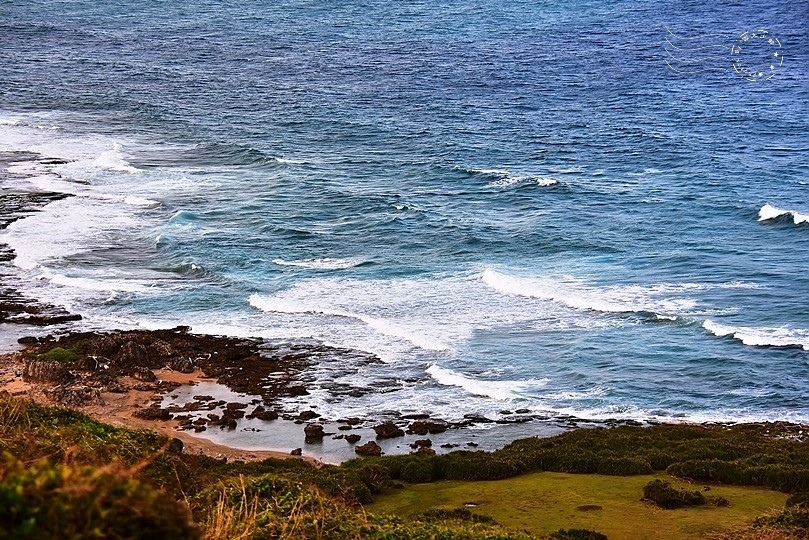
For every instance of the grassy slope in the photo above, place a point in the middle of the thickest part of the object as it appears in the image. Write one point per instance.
(544, 502)
(64, 475)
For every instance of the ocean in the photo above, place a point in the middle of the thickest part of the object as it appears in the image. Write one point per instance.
(587, 209)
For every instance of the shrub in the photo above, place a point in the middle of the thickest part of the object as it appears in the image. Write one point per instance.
(799, 500)
(65, 501)
(459, 514)
(663, 495)
(63, 356)
(577, 534)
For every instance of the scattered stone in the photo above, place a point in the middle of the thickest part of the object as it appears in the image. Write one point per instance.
(75, 396)
(424, 451)
(308, 415)
(505, 411)
(234, 406)
(153, 413)
(344, 428)
(449, 445)
(388, 430)
(203, 398)
(296, 452)
(472, 444)
(522, 411)
(352, 438)
(368, 449)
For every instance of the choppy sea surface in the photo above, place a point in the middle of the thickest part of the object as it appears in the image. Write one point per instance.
(596, 209)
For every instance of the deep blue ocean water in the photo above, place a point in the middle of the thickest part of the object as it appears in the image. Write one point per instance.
(582, 208)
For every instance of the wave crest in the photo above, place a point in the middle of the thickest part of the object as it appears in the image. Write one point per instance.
(769, 212)
(761, 336)
(500, 390)
(322, 264)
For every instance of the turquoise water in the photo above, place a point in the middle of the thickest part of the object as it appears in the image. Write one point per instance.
(510, 204)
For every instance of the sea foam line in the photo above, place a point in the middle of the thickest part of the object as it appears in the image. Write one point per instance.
(379, 325)
(321, 264)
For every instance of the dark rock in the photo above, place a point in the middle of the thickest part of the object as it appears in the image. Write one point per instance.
(388, 430)
(132, 354)
(416, 416)
(199, 429)
(424, 451)
(234, 406)
(522, 411)
(368, 449)
(183, 365)
(425, 443)
(86, 363)
(449, 445)
(313, 431)
(505, 411)
(203, 398)
(143, 374)
(472, 444)
(478, 419)
(352, 438)
(73, 396)
(28, 340)
(308, 415)
(47, 371)
(344, 428)
(153, 413)
(296, 452)
(428, 426)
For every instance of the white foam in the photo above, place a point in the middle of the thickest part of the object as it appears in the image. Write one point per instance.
(113, 160)
(289, 161)
(110, 285)
(768, 212)
(783, 336)
(500, 390)
(140, 201)
(321, 264)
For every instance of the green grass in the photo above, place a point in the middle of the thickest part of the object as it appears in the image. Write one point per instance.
(544, 502)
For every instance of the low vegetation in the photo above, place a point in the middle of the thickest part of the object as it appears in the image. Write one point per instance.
(63, 475)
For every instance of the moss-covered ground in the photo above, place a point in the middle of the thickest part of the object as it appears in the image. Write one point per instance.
(545, 502)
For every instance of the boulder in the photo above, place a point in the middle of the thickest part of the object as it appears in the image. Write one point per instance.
(352, 438)
(423, 427)
(388, 430)
(314, 431)
(143, 374)
(47, 371)
(424, 451)
(368, 449)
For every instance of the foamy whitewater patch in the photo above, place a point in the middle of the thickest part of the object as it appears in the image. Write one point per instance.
(380, 325)
(140, 201)
(576, 294)
(761, 336)
(113, 160)
(321, 264)
(769, 212)
(499, 390)
(502, 178)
